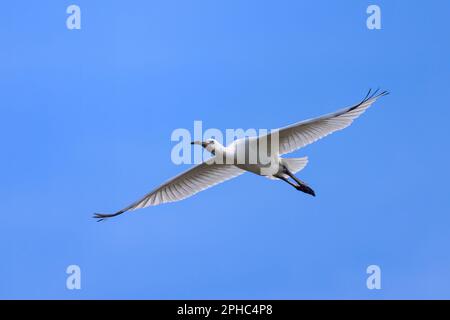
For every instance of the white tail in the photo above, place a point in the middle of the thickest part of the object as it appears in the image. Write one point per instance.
(295, 164)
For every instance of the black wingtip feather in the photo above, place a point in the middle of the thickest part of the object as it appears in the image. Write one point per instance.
(370, 95)
(99, 216)
(378, 94)
(104, 217)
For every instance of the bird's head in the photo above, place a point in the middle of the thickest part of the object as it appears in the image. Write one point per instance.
(209, 144)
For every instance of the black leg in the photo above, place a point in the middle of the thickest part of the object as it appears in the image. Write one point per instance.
(302, 186)
(284, 179)
(290, 174)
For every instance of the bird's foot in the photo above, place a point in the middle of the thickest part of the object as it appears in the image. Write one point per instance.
(306, 189)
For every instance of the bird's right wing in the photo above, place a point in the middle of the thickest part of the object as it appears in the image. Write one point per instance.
(188, 183)
(302, 133)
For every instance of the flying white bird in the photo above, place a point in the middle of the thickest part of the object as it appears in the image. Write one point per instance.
(287, 139)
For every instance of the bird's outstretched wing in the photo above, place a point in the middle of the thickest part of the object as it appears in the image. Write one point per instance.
(188, 183)
(302, 133)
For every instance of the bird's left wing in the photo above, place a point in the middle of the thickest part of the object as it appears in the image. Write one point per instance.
(188, 183)
(300, 134)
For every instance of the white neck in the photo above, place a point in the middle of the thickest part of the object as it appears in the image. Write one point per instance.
(215, 147)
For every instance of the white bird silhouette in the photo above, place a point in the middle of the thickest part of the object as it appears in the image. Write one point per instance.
(217, 170)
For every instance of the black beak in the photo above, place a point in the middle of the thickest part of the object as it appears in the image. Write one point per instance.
(203, 144)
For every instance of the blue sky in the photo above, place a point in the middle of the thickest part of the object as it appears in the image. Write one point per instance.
(86, 122)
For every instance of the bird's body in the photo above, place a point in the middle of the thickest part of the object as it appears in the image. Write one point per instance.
(259, 155)
(258, 160)
(245, 154)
